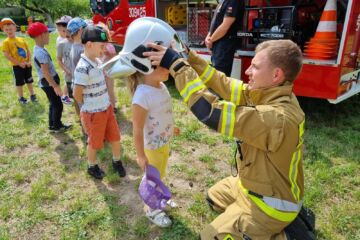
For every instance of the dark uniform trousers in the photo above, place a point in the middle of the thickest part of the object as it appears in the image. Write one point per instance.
(222, 56)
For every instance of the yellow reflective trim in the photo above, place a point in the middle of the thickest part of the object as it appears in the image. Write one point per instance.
(272, 212)
(301, 133)
(228, 119)
(232, 121)
(192, 91)
(210, 75)
(296, 174)
(232, 95)
(295, 190)
(228, 237)
(239, 92)
(188, 85)
(205, 71)
(224, 118)
(236, 88)
(293, 171)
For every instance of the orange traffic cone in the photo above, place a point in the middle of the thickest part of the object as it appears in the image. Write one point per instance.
(324, 44)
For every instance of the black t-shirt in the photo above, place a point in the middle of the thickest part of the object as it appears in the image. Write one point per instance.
(228, 8)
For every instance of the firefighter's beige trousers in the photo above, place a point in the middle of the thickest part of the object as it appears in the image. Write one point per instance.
(240, 219)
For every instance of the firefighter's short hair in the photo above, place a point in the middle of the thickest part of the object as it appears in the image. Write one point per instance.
(284, 54)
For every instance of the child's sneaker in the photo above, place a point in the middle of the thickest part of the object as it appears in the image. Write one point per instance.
(66, 100)
(33, 98)
(22, 100)
(159, 218)
(117, 165)
(96, 172)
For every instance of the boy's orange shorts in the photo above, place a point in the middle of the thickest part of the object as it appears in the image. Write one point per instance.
(100, 127)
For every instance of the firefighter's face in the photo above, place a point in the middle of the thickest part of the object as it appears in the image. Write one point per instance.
(262, 74)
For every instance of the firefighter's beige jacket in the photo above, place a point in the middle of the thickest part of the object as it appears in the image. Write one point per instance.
(269, 122)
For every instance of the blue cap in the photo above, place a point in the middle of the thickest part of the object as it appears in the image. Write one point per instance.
(75, 25)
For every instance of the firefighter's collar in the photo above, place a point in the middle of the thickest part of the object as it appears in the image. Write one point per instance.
(268, 95)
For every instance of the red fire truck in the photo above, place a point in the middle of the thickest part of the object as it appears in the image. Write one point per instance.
(336, 78)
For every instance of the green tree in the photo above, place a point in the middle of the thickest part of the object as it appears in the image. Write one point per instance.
(52, 9)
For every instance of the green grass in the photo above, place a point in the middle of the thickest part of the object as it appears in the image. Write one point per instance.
(45, 192)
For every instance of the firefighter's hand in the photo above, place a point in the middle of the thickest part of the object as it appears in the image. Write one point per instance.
(157, 55)
(162, 56)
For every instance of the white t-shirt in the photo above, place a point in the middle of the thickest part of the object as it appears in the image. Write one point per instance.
(95, 94)
(159, 124)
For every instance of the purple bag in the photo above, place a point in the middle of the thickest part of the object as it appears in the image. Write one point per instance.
(152, 190)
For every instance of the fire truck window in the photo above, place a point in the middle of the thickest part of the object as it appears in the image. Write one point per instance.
(103, 7)
(136, 1)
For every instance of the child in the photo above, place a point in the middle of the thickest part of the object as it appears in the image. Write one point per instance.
(49, 80)
(90, 91)
(108, 54)
(75, 28)
(63, 47)
(16, 50)
(152, 126)
(61, 25)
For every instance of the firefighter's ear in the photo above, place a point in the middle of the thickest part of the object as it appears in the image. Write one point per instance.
(278, 75)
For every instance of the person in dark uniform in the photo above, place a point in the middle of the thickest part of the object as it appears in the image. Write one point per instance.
(221, 37)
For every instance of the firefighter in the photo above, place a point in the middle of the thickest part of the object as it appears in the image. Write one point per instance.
(266, 193)
(221, 39)
(264, 115)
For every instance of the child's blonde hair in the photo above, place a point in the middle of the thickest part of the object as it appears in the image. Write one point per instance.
(133, 81)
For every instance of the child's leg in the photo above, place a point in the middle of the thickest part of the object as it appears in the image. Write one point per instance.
(29, 79)
(30, 88)
(112, 135)
(159, 158)
(91, 155)
(115, 148)
(65, 91)
(48, 95)
(20, 92)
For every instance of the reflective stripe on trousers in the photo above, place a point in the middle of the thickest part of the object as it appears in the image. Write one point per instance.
(281, 210)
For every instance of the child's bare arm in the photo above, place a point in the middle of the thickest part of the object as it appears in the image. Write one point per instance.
(62, 66)
(29, 53)
(139, 117)
(110, 87)
(78, 93)
(50, 79)
(13, 60)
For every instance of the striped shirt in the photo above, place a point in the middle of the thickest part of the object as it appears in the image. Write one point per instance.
(95, 94)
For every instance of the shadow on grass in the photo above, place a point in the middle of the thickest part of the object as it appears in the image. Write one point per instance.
(68, 151)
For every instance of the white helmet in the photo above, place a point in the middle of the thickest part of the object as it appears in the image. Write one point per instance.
(139, 33)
